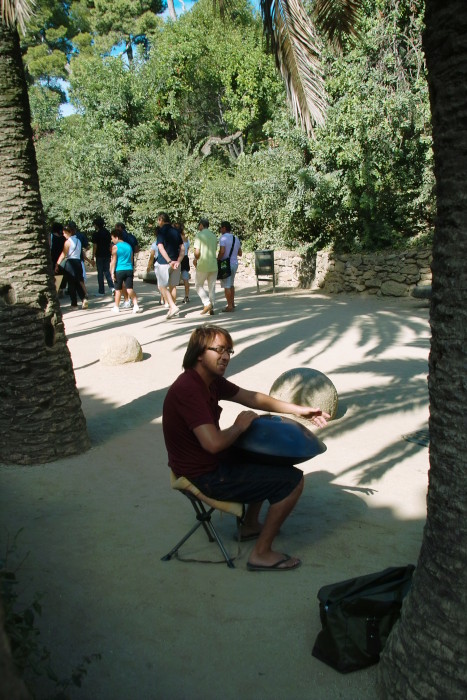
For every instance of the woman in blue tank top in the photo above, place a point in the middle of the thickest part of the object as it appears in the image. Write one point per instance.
(121, 269)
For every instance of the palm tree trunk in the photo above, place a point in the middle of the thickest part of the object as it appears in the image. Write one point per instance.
(426, 654)
(40, 409)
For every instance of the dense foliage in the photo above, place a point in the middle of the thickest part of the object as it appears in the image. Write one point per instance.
(189, 117)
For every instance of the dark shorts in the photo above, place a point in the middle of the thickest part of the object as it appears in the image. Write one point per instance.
(249, 482)
(124, 277)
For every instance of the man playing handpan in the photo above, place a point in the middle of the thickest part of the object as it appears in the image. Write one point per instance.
(198, 448)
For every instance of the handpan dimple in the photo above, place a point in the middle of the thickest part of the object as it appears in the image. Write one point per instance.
(278, 440)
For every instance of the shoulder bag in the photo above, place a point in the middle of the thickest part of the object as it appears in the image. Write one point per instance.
(223, 266)
(357, 616)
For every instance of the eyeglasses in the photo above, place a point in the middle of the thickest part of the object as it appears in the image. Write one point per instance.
(221, 350)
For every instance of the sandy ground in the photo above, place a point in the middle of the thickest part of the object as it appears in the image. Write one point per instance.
(95, 526)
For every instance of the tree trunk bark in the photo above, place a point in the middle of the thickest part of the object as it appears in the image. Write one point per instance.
(40, 409)
(426, 654)
(171, 8)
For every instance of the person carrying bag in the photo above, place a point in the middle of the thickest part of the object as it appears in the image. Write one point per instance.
(223, 266)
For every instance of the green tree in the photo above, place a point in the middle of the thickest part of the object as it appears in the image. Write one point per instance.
(207, 76)
(60, 32)
(371, 171)
(127, 22)
(84, 171)
(40, 414)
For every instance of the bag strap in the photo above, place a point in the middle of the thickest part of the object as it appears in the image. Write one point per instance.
(233, 243)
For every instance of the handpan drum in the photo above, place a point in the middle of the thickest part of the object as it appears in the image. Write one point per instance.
(278, 440)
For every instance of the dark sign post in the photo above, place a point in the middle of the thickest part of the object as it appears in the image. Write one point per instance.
(264, 266)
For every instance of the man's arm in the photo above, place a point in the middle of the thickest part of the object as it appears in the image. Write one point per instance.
(181, 255)
(151, 260)
(163, 252)
(264, 402)
(221, 252)
(213, 440)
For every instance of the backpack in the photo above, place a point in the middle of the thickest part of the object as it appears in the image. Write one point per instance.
(357, 616)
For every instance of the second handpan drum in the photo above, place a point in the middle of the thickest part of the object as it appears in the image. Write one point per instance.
(278, 440)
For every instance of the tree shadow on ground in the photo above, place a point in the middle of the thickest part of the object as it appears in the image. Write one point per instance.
(307, 326)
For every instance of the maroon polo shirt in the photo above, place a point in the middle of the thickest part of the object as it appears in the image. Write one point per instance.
(188, 404)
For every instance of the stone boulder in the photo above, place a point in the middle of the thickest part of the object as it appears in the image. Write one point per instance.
(391, 288)
(422, 291)
(148, 277)
(307, 387)
(120, 349)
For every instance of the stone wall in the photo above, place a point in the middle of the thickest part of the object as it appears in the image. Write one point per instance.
(388, 273)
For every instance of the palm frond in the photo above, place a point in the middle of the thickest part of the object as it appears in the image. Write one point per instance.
(16, 12)
(337, 18)
(293, 39)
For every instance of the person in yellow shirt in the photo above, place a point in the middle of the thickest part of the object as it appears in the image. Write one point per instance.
(205, 260)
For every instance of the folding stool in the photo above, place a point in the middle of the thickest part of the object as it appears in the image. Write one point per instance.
(203, 515)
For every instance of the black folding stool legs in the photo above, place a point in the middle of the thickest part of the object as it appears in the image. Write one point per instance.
(203, 517)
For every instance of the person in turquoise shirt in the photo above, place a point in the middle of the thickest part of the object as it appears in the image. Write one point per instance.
(121, 269)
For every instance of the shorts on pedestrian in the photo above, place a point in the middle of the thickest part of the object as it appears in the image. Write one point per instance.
(166, 275)
(249, 482)
(228, 283)
(123, 277)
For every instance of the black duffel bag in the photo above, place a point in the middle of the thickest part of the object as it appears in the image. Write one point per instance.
(357, 616)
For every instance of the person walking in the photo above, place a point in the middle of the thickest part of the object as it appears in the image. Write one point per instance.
(83, 239)
(167, 253)
(229, 247)
(185, 264)
(101, 244)
(70, 262)
(205, 261)
(127, 237)
(57, 241)
(121, 268)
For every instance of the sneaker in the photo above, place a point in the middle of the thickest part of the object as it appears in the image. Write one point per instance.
(173, 313)
(186, 300)
(127, 304)
(100, 294)
(85, 304)
(137, 309)
(115, 310)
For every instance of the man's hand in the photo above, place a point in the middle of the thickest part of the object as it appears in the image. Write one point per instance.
(315, 415)
(245, 419)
